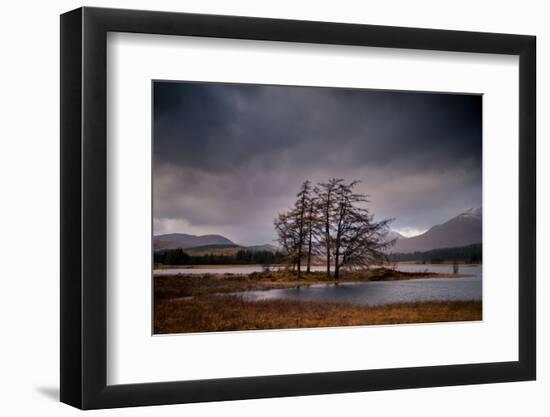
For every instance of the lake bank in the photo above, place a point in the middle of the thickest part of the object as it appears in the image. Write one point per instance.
(315, 267)
(246, 269)
(232, 313)
(188, 285)
(222, 301)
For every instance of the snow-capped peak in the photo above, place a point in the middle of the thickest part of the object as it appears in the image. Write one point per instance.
(473, 213)
(393, 234)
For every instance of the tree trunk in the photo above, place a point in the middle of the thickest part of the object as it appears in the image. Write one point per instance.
(338, 243)
(327, 234)
(301, 235)
(309, 249)
(337, 264)
(327, 243)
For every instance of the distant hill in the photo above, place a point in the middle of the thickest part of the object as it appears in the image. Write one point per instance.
(462, 230)
(184, 241)
(467, 254)
(227, 250)
(205, 244)
(267, 247)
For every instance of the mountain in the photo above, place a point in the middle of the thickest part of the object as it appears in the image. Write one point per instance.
(392, 234)
(227, 250)
(266, 248)
(464, 229)
(183, 241)
(471, 254)
(205, 244)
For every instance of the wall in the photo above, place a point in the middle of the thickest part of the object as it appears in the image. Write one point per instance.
(29, 174)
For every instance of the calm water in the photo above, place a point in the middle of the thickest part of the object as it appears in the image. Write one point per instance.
(375, 293)
(372, 293)
(226, 270)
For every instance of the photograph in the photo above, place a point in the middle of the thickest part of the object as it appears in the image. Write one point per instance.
(286, 207)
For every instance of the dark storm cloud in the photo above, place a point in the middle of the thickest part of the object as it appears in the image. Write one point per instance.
(227, 157)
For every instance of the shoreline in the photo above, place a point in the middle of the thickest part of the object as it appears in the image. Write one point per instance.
(211, 302)
(188, 285)
(236, 266)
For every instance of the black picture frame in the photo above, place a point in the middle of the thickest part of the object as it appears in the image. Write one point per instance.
(84, 207)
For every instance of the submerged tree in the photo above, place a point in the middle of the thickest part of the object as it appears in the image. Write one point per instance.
(455, 267)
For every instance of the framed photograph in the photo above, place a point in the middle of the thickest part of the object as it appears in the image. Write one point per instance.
(258, 208)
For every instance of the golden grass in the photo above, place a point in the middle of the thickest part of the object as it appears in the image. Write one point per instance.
(196, 303)
(229, 313)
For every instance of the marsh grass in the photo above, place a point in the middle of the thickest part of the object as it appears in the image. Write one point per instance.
(212, 302)
(230, 313)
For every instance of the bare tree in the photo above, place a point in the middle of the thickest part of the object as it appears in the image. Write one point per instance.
(287, 236)
(366, 243)
(332, 219)
(294, 228)
(301, 208)
(359, 241)
(326, 199)
(312, 222)
(344, 215)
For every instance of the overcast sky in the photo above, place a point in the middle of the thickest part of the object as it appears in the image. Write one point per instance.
(228, 157)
